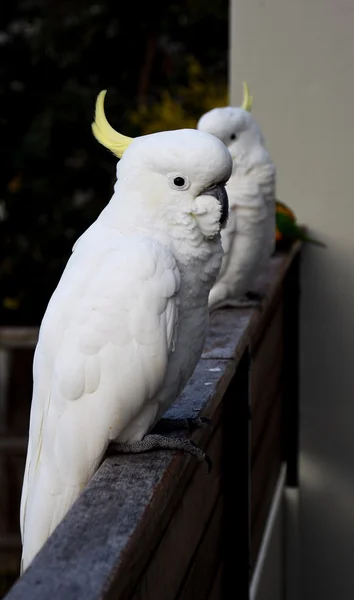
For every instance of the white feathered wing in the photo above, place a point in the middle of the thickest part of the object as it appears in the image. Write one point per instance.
(244, 240)
(101, 359)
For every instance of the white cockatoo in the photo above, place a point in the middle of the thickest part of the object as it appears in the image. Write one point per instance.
(249, 237)
(126, 325)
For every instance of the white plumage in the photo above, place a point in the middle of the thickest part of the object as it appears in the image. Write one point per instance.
(249, 237)
(126, 325)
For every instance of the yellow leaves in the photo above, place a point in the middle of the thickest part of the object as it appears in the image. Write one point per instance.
(11, 303)
(194, 68)
(15, 184)
(165, 115)
(183, 107)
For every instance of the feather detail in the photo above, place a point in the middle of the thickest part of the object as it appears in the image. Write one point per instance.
(101, 357)
(104, 132)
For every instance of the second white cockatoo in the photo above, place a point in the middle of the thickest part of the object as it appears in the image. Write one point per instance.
(249, 237)
(125, 327)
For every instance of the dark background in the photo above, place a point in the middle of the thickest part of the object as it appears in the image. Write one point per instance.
(164, 64)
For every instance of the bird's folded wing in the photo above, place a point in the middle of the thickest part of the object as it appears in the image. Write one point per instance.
(102, 353)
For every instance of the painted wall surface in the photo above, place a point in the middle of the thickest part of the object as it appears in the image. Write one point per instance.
(298, 58)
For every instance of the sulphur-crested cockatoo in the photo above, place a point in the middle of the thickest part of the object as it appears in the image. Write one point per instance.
(126, 325)
(249, 237)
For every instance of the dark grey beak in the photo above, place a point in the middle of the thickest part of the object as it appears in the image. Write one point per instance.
(219, 192)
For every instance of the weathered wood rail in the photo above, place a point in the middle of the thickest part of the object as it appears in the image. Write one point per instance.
(158, 525)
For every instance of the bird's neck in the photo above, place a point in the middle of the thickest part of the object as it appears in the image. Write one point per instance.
(263, 173)
(193, 253)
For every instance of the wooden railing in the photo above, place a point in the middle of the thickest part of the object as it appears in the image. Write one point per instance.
(158, 526)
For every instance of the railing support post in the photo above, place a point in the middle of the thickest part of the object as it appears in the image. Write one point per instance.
(235, 475)
(291, 371)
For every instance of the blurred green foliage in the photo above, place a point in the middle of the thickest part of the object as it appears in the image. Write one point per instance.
(182, 106)
(163, 64)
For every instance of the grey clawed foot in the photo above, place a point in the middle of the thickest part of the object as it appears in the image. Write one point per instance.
(155, 442)
(165, 425)
(198, 422)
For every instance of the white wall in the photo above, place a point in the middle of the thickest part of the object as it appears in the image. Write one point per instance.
(298, 58)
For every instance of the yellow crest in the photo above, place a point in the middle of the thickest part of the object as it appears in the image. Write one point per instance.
(247, 99)
(104, 133)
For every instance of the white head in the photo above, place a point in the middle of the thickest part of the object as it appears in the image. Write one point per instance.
(238, 130)
(174, 179)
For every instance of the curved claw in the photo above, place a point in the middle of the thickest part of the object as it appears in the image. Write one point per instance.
(156, 442)
(198, 422)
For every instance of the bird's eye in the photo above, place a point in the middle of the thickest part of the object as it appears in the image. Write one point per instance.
(178, 181)
(233, 136)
